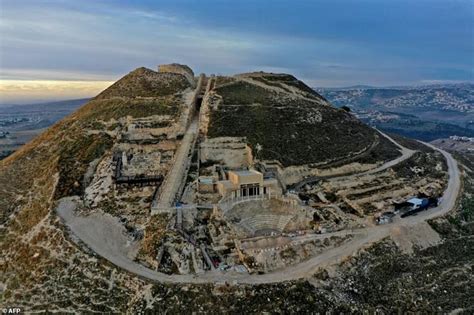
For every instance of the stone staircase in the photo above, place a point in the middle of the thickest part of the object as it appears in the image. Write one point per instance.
(173, 185)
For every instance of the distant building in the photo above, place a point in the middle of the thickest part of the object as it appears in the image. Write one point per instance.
(247, 183)
(463, 139)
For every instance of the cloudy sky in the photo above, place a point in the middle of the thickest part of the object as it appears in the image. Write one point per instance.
(59, 49)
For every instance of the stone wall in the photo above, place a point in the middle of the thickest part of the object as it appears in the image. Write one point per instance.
(210, 102)
(180, 69)
(189, 108)
(294, 174)
(232, 152)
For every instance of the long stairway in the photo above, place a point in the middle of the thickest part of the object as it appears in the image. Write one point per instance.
(176, 178)
(177, 173)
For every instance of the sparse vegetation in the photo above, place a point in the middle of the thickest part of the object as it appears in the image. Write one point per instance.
(383, 151)
(44, 270)
(289, 80)
(74, 158)
(143, 82)
(411, 144)
(243, 93)
(293, 131)
(154, 234)
(434, 165)
(460, 223)
(114, 108)
(221, 80)
(436, 279)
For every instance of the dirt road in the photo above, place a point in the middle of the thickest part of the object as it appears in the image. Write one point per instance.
(406, 154)
(108, 240)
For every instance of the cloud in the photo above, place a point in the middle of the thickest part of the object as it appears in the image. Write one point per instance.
(23, 91)
(48, 74)
(111, 42)
(325, 42)
(154, 15)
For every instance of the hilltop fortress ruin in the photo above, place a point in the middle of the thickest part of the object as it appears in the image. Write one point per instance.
(250, 178)
(249, 173)
(184, 70)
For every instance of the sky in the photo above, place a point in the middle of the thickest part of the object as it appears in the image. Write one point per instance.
(60, 49)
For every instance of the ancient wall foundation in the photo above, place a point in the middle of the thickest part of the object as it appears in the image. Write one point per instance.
(231, 151)
(180, 69)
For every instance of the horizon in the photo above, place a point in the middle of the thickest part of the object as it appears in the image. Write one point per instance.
(55, 99)
(59, 50)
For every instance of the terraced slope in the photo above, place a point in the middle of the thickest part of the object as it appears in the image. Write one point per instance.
(53, 166)
(287, 120)
(57, 159)
(42, 269)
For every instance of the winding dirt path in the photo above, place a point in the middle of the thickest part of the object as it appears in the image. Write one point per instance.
(117, 248)
(406, 154)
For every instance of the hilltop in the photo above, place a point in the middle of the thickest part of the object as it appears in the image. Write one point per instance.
(288, 121)
(105, 187)
(143, 82)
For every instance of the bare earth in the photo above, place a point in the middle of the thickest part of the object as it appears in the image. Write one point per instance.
(107, 238)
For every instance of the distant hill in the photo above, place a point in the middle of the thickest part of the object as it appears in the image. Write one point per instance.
(459, 144)
(344, 88)
(437, 111)
(55, 105)
(454, 97)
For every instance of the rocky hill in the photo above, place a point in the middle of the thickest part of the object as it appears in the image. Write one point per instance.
(54, 165)
(143, 82)
(287, 121)
(456, 143)
(42, 268)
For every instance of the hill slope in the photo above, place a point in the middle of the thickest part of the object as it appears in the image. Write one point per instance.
(43, 269)
(287, 121)
(66, 149)
(35, 253)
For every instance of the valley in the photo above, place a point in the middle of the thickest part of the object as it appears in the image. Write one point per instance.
(19, 124)
(426, 112)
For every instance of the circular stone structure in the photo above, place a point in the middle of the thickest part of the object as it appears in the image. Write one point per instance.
(266, 217)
